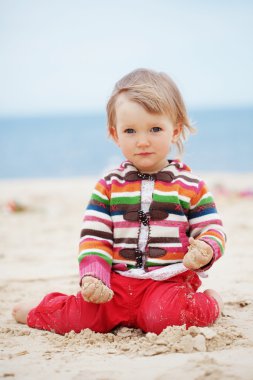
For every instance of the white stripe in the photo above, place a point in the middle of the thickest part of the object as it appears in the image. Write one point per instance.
(95, 238)
(185, 173)
(96, 251)
(128, 194)
(204, 218)
(188, 183)
(97, 214)
(197, 231)
(167, 245)
(97, 192)
(123, 262)
(116, 179)
(126, 245)
(157, 261)
(164, 231)
(175, 218)
(127, 233)
(96, 225)
(118, 218)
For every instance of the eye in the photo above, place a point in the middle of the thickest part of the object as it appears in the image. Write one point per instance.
(156, 129)
(129, 130)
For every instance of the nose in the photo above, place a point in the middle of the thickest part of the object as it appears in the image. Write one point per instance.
(143, 140)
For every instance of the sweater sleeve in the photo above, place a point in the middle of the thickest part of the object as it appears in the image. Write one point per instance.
(205, 223)
(96, 242)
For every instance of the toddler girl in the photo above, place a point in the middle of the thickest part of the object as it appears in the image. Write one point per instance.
(150, 229)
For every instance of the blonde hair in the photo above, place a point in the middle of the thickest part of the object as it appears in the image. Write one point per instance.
(157, 93)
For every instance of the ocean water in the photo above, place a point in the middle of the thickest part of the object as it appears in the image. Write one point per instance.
(68, 146)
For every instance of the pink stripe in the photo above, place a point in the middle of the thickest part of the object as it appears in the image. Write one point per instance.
(206, 223)
(97, 243)
(125, 224)
(95, 266)
(216, 252)
(162, 223)
(96, 219)
(186, 186)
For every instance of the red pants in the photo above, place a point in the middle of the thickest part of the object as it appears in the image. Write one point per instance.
(146, 304)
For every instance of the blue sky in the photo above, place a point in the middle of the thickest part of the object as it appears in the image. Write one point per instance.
(61, 56)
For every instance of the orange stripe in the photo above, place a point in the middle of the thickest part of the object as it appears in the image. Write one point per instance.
(166, 188)
(102, 189)
(95, 245)
(213, 233)
(127, 187)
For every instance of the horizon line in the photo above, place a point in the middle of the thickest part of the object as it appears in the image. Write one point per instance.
(81, 113)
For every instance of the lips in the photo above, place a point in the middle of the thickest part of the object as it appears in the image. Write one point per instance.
(144, 154)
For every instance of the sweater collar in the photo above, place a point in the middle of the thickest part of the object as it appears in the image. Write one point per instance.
(167, 174)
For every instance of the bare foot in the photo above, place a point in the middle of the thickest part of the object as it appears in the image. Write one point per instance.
(212, 293)
(20, 312)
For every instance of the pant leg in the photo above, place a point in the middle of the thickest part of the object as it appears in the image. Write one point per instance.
(175, 302)
(61, 313)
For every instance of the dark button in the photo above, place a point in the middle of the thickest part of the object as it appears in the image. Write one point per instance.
(145, 176)
(128, 253)
(144, 217)
(156, 252)
(139, 258)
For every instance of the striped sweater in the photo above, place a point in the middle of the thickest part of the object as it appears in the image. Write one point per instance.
(181, 207)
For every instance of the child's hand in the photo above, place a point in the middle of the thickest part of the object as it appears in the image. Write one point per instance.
(93, 290)
(199, 254)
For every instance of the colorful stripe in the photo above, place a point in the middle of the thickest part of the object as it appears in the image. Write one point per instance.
(189, 211)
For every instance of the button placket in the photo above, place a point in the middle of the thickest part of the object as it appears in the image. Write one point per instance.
(144, 218)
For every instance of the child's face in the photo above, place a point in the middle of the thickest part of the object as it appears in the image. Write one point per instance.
(144, 138)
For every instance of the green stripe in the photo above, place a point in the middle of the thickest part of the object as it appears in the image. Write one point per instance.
(95, 197)
(165, 198)
(106, 258)
(205, 201)
(126, 200)
(148, 264)
(184, 204)
(218, 242)
(170, 199)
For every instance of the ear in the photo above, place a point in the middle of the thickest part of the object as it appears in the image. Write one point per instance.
(114, 135)
(177, 132)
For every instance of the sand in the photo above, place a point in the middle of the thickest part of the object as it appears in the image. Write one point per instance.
(39, 230)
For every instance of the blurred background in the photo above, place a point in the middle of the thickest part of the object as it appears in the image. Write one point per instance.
(60, 60)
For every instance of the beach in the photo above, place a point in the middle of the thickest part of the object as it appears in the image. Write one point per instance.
(40, 222)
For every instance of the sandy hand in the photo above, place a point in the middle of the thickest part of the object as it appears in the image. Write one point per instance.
(199, 254)
(93, 290)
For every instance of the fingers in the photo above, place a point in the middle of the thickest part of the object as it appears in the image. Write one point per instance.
(93, 290)
(190, 260)
(191, 240)
(105, 295)
(199, 254)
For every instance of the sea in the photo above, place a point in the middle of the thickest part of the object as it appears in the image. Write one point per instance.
(77, 145)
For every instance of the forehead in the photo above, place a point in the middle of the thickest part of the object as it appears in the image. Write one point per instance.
(124, 103)
(129, 112)
(125, 107)
(122, 98)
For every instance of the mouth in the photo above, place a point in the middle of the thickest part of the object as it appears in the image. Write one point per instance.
(144, 154)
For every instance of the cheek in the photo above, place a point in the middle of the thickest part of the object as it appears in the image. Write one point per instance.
(163, 144)
(125, 144)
